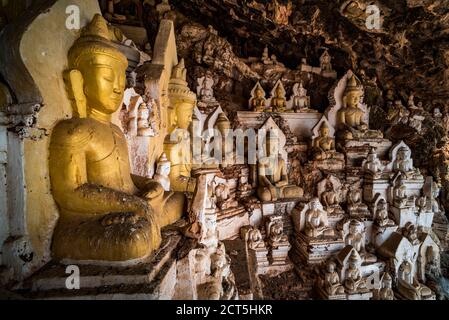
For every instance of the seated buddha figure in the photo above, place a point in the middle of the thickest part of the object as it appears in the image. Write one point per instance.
(177, 144)
(273, 175)
(316, 223)
(400, 197)
(332, 283)
(409, 286)
(350, 117)
(354, 281)
(404, 162)
(356, 239)
(381, 214)
(258, 102)
(300, 98)
(278, 102)
(106, 213)
(324, 146)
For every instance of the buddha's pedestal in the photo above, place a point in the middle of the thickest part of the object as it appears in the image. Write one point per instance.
(314, 251)
(357, 150)
(322, 294)
(367, 295)
(374, 185)
(411, 214)
(300, 123)
(331, 165)
(230, 221)
(281, 206)
(260, 258)
(153, 278)
(279, 253)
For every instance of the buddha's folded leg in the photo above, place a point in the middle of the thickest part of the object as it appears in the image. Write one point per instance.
(174, 208)
(110, 237)
(292, 191)
(264, 194)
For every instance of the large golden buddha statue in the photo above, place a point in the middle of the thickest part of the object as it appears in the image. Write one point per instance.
(177, 144)
(273, 177)
(350, 118)
(106, 213)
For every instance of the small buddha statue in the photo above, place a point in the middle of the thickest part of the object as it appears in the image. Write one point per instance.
(330, 197)
(275, 231)
(356, 239)
(386, 291)
(381, 214)
(162, 172)
(205, 90)
(258, 102)
(300, 98)
(254, 239)
(409, 286)
(177, 144)
(278, 102)
(106, 213)
(354, 282)
(400, 198)
(316, 223)
(143, 125)
(325, 62)
(404, 161)
(372, 164)
(266, 57)
(324, 146)
(355, 204)
(332, 283)
(350, 117)
(273, 175)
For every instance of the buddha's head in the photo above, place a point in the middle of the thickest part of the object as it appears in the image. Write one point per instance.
(382, 205)
(163, 165)
(403, 153)
(353, 227)
(315, 204)
(279, 91)
(324, 130)
(331, 267)
(182, 100)
(353, 93)
(259, 92)
(96, 79)
(387, 281)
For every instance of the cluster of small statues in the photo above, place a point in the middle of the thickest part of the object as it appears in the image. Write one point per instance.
(299, 101)
(352, 225)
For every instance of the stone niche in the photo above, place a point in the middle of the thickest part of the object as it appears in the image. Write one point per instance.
(34, 74)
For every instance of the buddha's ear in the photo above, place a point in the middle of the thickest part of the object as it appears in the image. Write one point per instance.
(344, 101)
(75, 83)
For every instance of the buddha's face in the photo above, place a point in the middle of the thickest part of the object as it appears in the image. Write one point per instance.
(104, 83)
(259, 93)
(279, 92)
(331, 267)
(184, 112)
(353, 99)
(324, 132)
